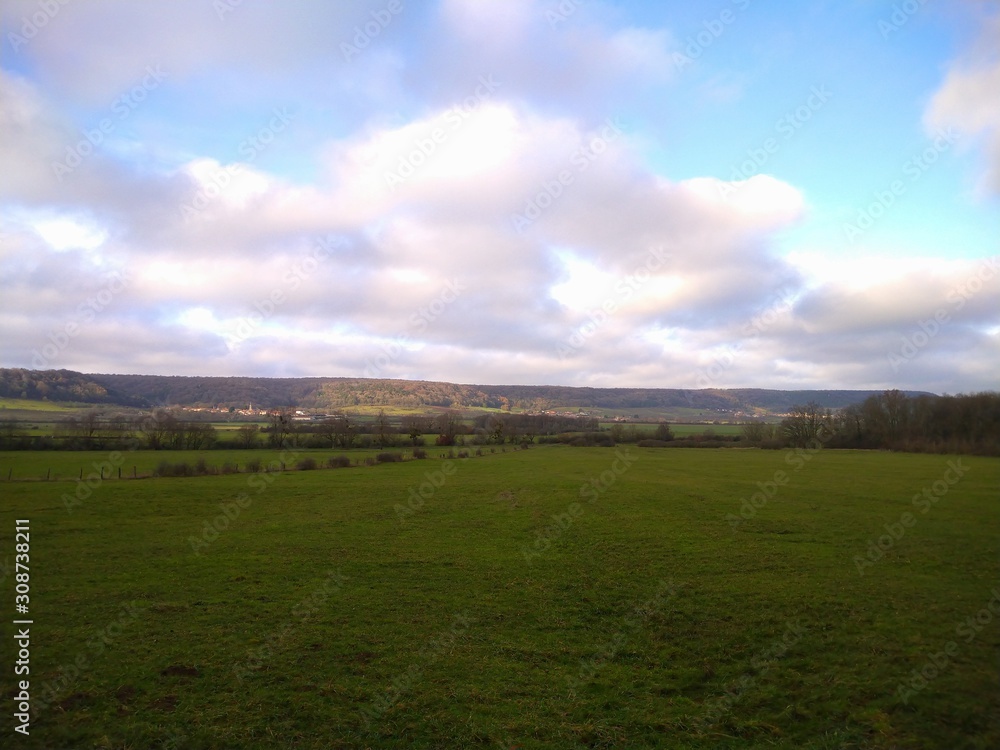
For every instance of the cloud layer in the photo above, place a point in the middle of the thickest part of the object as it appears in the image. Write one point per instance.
(457, 198)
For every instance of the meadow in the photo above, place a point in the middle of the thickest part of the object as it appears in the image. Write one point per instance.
(551, 597)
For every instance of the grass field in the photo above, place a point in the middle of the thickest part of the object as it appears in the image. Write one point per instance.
(555, 597)
(68, 465)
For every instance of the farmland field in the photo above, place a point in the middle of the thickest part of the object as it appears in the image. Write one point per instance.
(552, 597)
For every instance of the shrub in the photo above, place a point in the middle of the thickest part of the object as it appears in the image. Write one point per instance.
(253, 465)
(479, 451)
(419, 453)
(463, 454)
(229, 467)
(387, 457)
(201, 467)
(167, 469)
(589, 439)
(338, 462)
(306, 464)
(653, 444)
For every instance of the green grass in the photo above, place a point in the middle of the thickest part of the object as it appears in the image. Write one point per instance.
(45, 407)
(315, 601)
(68, 465)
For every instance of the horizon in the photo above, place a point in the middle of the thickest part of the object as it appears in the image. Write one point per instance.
(517, 385)
(549, 194)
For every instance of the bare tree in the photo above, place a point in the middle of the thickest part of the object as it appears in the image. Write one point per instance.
(663, 432)
(497, 425)
(414, 428)
(447, 428)
(246, 435)
(155, 428)
(756, 432)
(279, 427)
(383, 430)
(200, 435)
(346, 431)
(803, 425)
(328, 429)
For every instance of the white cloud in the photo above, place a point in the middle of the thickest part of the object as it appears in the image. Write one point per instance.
(968, 99)
(422, 170)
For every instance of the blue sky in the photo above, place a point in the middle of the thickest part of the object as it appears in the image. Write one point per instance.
(621, 194)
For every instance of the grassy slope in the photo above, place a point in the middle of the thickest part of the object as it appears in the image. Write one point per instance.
(503, 679)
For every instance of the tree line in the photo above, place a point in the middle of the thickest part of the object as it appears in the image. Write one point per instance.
(891, 420)
(162, 429)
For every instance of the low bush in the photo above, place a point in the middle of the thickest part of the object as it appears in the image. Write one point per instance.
(387, 457)
(306, 464)
(167, 469)
(338, 462)
(590, 439)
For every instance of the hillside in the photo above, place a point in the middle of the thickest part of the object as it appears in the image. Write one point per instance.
(335, 393)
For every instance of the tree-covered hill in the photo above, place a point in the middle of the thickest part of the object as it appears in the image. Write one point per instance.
(335, 393)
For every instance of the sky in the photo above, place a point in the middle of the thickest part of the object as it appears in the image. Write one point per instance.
(613, 194)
